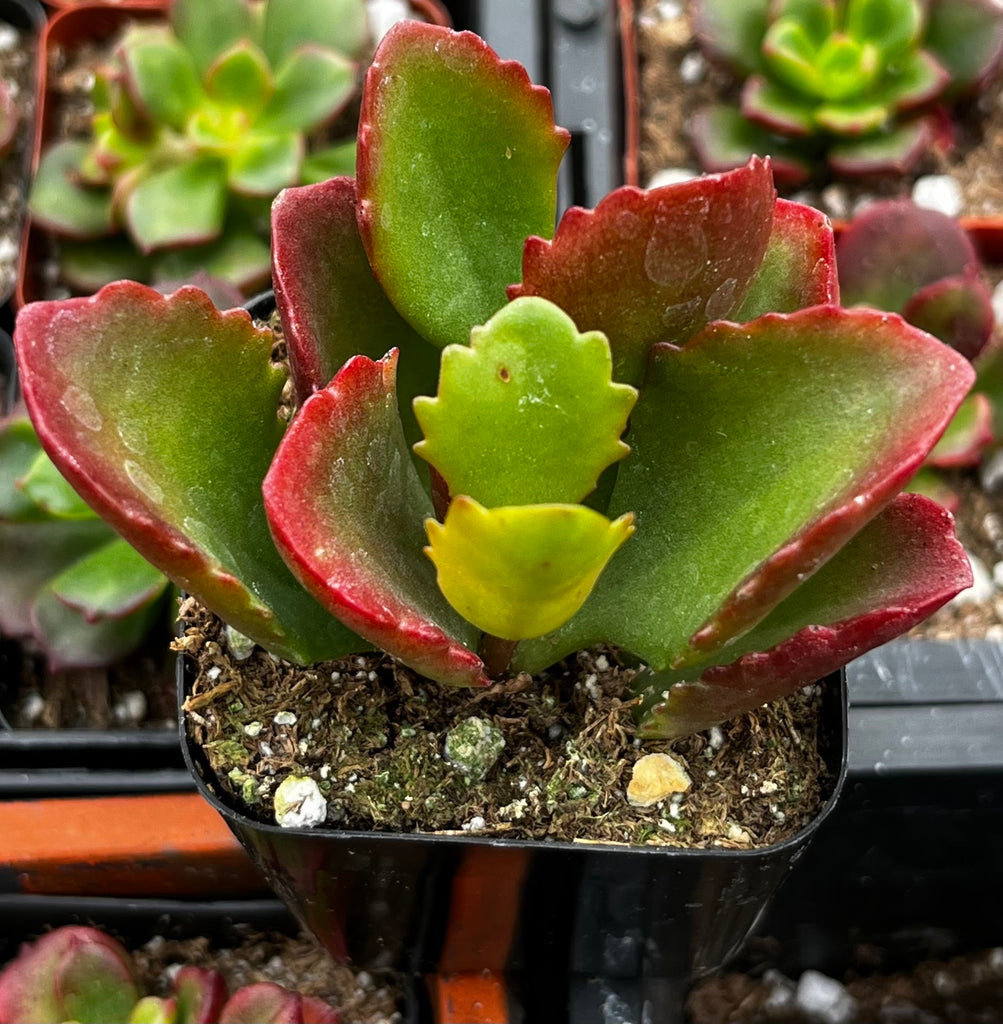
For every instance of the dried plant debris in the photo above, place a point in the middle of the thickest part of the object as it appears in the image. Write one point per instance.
(373, 736)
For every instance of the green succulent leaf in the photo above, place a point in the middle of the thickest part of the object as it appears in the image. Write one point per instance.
(733, 32)
(897, 150)
(263, 165)
(240, 256)
(521, 571)
(310, 88)
(778, 109)
(241, 77)
(181, 205)
(89, 265)
(162, 75)
(655, 265)
(154, 1010)
(346, 509)
(112, 582)
(853, 118)
(153, 434)
(334, 308)
(206, 38)
(966, 38)
(899, 568)
(793, 56)
(335, 161)
(893, 26)
(47, 489)
(61, 203)
(799, 268)
(967, 436)
(528, 413)
(289, 25)
(19, 448)
(725, 140)
(99, 608)
(757, 450)
(456, 196)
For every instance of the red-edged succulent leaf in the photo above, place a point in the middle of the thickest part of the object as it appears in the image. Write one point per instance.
(958, 310)
(347, 508)
(894, 248)
(200, 994)
(656, 265)
(124, 390)
(892, 152)
(262, 1003)
(333, 308)
(316, 1011)
(967, 436)
(72, 973)
(799, 268)
(780, 110)
(457, 165)
(724, 140)
(902, 566)
(757, 452)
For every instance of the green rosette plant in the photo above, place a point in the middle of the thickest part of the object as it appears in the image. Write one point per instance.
(863, 85)
(70, 587)
(198, 123)
(654, 428)
(78, 973)
(921, 263)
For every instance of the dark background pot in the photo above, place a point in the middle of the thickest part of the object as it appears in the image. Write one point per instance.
(550, 916)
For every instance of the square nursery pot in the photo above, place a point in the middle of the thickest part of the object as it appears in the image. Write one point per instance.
(71, 26)
(25, 18)
(217, 924)
(569, 925)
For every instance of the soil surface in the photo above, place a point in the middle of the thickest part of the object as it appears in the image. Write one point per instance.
(372, 736)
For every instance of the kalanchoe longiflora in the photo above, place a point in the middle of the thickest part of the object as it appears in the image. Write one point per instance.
(81, 974)
(851, 82)
(768, 430)
(68, 583)
(199, 122)
(898, 256)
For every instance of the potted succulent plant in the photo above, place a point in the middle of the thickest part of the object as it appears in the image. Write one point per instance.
(228, 960)
(912, 107)
(669, 442)
(199, 116)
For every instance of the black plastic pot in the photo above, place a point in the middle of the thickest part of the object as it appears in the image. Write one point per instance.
(560, 920)
(907, 865)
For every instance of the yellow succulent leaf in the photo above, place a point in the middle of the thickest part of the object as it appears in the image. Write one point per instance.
(519, 571)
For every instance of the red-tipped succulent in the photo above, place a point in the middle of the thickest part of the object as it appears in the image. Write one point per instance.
(82, 974)
(897, 256)
(654, 428)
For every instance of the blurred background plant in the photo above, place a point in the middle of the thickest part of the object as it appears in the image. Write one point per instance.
(198, 123)
(865, 86)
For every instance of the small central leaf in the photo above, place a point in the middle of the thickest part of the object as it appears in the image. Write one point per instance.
(528, 413)
(522, 571)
